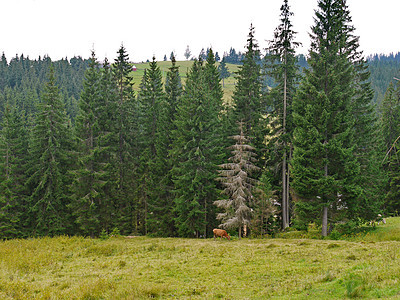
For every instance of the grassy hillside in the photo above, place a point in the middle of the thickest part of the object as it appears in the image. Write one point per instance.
(171, 268)
(184, 66)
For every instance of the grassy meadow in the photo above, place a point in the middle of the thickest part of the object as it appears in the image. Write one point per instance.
(171, 268)
(184, 66)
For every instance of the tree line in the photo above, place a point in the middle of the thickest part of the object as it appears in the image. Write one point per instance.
(175, 160)
(383, 68)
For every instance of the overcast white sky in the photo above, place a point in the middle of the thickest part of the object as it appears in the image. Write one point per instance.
(64, 28)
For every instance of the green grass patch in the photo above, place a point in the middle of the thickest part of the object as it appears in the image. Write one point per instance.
(184, 66)
(380, 233)
(383, 232)
(173, 268)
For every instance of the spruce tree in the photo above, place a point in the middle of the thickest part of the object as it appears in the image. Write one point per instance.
(154, 148)
(50, 161)
(173, 93)
(212, 82)
(283, 68)
(217, 58)
(202, 55)
(217, 136)
(390, 116)
(3, 71)
(8, 201)
(173, 89)
(13, 150)
(248, 96)
(87, 184)
(238, 184)
(324, 165)
(265, 207)
(367, 139)
(106, 106)
(188, 210)
(223, 71)
(390, 128)
(187, 53)
(125, 150)
(196, 150)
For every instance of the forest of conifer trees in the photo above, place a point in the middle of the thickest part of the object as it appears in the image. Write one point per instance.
(84, 153)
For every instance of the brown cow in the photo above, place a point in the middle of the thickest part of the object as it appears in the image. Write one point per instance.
(221, 233)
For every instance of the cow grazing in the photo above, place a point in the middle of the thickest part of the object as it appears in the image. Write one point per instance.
(221, 233)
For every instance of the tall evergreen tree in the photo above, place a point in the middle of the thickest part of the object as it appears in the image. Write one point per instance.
(390, 115)
(196, 151)
(173, 93)
(367, 139)
(50, 162)
(106, 106)
(154, 148)
(126, 151)
(87, 184)
(218, 136)
(324, 165)
(283, 68)
(8, 201)
(390, 128)
(248, 95)
(188, 210)
(13, 151)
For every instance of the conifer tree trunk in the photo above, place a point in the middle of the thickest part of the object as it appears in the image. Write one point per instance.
(325, 221)
(285, 211)
(284, 69)
(205, 219)
(288, 186)
(284, 193)
(324, 230)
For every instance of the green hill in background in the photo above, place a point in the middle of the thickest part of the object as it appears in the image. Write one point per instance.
(184, 66)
